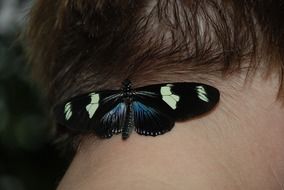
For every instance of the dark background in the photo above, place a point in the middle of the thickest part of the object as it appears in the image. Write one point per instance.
(29, 157)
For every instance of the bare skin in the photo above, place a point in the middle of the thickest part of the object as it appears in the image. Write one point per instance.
(239, 146)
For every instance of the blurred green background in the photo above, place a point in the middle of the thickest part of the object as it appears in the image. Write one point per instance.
(29, 158)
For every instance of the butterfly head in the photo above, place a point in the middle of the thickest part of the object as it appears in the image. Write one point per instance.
(126, 85)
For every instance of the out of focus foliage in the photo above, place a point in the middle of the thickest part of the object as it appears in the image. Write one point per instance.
(29, 159)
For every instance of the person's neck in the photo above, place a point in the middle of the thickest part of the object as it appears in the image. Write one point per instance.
(237, 146)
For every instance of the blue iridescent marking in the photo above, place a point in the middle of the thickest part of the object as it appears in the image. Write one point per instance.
(118, 109)
(144, 111)
(116, 113)
(146, 115)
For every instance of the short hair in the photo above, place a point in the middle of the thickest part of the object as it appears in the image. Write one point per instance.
(79, 46)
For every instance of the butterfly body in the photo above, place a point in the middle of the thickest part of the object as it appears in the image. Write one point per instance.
(150, 110)
(127, 95)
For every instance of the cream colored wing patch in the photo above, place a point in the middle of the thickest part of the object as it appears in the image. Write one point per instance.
(170, 98)
(68, 111)
(202, 94)
(93, 106)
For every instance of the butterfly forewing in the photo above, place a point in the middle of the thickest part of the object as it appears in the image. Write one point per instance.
(194, 99)
(184, 100)
(73, 115)
(78, 113)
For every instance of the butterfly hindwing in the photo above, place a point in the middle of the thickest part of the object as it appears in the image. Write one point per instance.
(151, 115)
(149, 121)
(109, 119)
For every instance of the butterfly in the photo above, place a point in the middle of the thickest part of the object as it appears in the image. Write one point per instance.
(150, 110)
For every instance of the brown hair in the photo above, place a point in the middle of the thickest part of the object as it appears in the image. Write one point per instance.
(77, 46)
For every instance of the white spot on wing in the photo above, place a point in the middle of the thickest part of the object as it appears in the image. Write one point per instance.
(170, 98)
(93, 106)
(202, 94)
(68, 111)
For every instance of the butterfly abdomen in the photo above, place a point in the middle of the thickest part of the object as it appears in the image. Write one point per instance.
(129, 124)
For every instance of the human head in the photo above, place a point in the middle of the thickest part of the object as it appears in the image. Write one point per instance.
(80, 46)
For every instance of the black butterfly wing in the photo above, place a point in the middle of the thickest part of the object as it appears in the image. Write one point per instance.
(155, 108)
(109, 119)
(73, 114)
(101, 112)
(181, 101)
(195, 99)
(149, 120)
